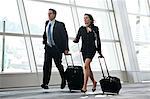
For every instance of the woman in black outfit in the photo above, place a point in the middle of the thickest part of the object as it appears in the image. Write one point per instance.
(89, 34)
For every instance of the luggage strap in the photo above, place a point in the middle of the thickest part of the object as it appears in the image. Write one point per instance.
(105, 66)
(69, 54)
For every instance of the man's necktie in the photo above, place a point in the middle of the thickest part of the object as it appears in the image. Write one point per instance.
(50, 38)
(49, 34)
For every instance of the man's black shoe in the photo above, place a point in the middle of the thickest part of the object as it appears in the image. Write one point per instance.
(44, 86)
(63, 84)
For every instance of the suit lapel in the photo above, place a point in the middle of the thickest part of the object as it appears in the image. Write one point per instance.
(54, 28)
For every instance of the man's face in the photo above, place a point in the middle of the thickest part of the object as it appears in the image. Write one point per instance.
(51, 15)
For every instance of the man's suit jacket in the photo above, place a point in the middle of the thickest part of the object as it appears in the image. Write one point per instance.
(60, 36)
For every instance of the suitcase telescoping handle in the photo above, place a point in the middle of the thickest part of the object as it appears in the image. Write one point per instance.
(105, 66)
(69, 54)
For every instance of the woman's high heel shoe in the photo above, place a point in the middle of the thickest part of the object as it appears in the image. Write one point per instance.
(93, 89)
(94, 86)
(83, 90)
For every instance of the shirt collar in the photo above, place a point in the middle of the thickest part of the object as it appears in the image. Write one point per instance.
(52, 22)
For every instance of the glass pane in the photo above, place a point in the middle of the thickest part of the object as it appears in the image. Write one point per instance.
(109, 4)
(138, 6)
(110, 54)
(140, 27)
(39, 52)
(113, 26)
(59, 1)
(144, 7)
(10, 15)
(1, 25)
(102, 20)
(132, 6)
(93, 3)
(37, 20)
(1, 53)
(143, 56)
(120, 57)
(16, 59)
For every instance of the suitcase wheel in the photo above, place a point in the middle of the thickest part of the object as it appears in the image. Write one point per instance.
(70, 90)
(103, 93)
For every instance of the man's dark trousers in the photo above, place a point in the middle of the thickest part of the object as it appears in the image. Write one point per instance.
(52, 52)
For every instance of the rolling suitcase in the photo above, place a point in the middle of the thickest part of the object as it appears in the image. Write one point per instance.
(74, 76)
(109, 84)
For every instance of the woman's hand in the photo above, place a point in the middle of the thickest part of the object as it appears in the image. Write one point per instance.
(88, 29)
(101, 55)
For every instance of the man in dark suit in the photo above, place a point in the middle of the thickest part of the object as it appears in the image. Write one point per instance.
(55, 38)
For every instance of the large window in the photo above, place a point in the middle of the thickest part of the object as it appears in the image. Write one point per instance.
(143, 56)
(39, 52)
(19, 55)
(138, 6)
(15, 57)
(140, 26)
(9, 13)
(59, 1)
(38, 15)
(94, 3)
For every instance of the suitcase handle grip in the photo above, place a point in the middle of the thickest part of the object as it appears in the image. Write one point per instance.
(69, 54)
(105, 66)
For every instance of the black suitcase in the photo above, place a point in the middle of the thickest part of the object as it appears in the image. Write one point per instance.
(109, 84)
(74, 76)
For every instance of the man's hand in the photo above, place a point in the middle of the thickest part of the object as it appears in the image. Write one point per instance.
(44, 42)
(66, 52)
(75, 40)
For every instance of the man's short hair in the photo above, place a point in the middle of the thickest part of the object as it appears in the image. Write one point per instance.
(54, 11)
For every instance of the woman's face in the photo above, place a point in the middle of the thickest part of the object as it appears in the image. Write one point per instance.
(87, 20)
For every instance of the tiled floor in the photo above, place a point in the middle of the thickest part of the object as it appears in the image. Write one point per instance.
(129, 91)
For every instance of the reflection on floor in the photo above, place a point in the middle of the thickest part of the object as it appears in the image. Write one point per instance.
(129, 91)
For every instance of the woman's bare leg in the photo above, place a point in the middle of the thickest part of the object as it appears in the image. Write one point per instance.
(86, 73)
(93, 80)
(91, 74)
